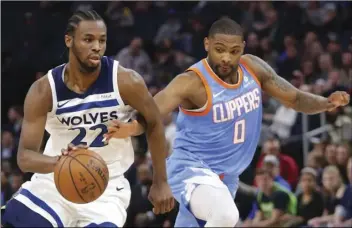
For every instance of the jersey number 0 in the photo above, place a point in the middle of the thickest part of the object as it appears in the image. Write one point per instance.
(97, 142)
(240, 127)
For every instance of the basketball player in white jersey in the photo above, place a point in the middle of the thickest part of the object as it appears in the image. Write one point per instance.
(75, 102)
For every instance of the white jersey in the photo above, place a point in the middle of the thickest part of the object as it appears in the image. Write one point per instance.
(83, 118)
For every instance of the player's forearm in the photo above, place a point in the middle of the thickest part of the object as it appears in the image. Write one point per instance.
(157, 146)
(35, 162)
(140, 126)
(310, 103)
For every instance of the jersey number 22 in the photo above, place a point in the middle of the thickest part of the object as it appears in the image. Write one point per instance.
(97, 142)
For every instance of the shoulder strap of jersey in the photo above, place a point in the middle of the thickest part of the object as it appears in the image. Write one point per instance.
(115, 83)
(53, 91)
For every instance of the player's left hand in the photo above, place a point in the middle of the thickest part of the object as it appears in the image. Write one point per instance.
(339, 98)
(161, 197)
(120, 130)
(70, 148)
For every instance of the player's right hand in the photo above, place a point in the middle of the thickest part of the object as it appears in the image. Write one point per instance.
(70, 148)
(161, 197)
(120, 130)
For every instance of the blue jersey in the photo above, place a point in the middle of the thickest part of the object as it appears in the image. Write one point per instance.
(223, 135)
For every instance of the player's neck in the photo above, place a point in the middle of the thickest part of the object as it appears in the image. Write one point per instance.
(77, 80)
(230, 79)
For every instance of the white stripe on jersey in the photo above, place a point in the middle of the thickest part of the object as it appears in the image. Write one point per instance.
(90, 98)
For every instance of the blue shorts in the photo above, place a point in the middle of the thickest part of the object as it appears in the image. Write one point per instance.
(184, 175)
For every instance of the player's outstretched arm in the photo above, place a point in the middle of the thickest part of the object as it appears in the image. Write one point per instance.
(135, 93)
(167, 100)
(290, 96)
(36, 106)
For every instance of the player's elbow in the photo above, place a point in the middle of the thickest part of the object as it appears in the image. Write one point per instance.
(22, 160)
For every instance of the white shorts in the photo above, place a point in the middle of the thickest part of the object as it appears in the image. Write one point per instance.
(108, 210)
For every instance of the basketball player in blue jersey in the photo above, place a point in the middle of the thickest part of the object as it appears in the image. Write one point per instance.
(74, 102)
(219, 124)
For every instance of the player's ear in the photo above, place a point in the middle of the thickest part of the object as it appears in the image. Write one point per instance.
(243, 47)
(206, 44)
(68, 41)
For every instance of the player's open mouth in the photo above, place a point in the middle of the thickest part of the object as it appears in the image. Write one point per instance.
(225, 68)
(94, 59)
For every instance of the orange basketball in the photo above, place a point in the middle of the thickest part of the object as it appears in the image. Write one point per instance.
(82, 176)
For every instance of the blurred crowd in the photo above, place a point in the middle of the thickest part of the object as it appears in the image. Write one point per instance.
(307, 43)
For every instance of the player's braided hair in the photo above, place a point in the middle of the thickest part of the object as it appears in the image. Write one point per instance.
(225, 26)
(77, 17)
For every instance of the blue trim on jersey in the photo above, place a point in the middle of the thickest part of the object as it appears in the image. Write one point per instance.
(103, 84)
(42, 205)
(104, 224)
(89, 105)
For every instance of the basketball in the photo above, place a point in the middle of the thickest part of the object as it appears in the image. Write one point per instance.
(82, 176)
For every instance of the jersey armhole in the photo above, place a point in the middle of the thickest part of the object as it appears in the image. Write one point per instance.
(53, 92)
(115, 83)
(250, 71)
(206, 108)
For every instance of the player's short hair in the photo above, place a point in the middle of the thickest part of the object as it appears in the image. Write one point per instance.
(225, 26)
(77, 17)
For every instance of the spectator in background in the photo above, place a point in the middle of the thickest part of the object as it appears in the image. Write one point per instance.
(308, 72)
(325, 65)
(6, 190)
(253, 45)
(269, 55)
(274, 202)
(283, 121)
(343, 214)
(288, 167)
(270, 106)
(333, 190)
(16, 180)
(165, 67)
(169, 30)
(288, 61)
(334, 48)
(307, 47)
(140, 212)
(310, 203)
(342, 157)
(119, 15)
(8, 148)
(134, 57)
(15, 115)
(272, 164)
(346, 70)
(332, 83)
(330, 154)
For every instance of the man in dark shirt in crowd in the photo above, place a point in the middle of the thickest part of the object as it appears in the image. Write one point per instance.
(343, 211)
(274, 202)
(310, 203)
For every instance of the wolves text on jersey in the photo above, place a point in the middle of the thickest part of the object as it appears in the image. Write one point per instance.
(88, 118)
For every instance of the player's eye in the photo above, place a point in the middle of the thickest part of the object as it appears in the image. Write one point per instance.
(235, 52)
(102, 41)
(219, 50)
(88, 40)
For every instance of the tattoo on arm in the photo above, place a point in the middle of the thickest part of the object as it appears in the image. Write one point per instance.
(310, 103)
(270, 77)
(285, 92)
